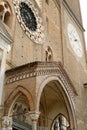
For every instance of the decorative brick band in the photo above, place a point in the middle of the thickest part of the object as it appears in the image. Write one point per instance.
(35, 69)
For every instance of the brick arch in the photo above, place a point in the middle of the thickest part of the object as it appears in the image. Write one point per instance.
(67, 93)
(15, 94)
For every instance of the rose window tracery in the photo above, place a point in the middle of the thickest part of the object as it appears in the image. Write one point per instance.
(30, 19)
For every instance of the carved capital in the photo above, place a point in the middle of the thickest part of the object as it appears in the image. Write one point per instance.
(7, 122)
(34, 115)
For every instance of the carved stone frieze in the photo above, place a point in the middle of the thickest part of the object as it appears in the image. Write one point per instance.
(32, 70)
(37, 69)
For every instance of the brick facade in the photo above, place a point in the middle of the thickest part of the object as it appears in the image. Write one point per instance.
(49, 76)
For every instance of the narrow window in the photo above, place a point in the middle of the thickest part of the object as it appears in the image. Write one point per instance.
(5, 12)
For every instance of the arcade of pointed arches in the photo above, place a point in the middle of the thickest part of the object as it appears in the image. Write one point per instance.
(30, 104)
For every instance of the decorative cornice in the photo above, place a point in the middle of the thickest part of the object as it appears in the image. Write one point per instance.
(36, 69)
(72, 14)
(31, 70)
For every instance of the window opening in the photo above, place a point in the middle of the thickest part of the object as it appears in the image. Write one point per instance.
(5, 12)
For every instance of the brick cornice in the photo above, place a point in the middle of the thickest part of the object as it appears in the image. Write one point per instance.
(36, 69)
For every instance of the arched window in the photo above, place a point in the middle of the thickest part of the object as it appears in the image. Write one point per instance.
(5, 12)
(49, 54)
(60, 123)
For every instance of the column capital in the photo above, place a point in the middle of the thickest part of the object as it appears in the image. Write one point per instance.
(34, 115)
(7, 122)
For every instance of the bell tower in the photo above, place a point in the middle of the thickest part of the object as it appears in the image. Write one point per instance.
(74, 51)
(73, 34)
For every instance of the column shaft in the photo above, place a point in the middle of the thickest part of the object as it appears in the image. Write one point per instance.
(34, 117)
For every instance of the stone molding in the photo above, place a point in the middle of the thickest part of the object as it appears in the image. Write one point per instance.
(72, 14)
(36, 69)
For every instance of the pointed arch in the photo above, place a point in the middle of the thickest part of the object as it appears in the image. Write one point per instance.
(64, 88)
(14, 95)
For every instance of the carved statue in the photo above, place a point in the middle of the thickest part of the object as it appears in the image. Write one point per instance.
(48, 54)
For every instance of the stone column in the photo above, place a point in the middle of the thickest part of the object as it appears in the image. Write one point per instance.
(4, 48)
(7, 123)
(34, 117)
(2, 71)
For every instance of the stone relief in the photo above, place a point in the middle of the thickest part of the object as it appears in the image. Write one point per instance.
(19, 112)
(7, 122)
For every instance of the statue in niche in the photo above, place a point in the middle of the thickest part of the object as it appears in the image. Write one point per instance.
(48, 52)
